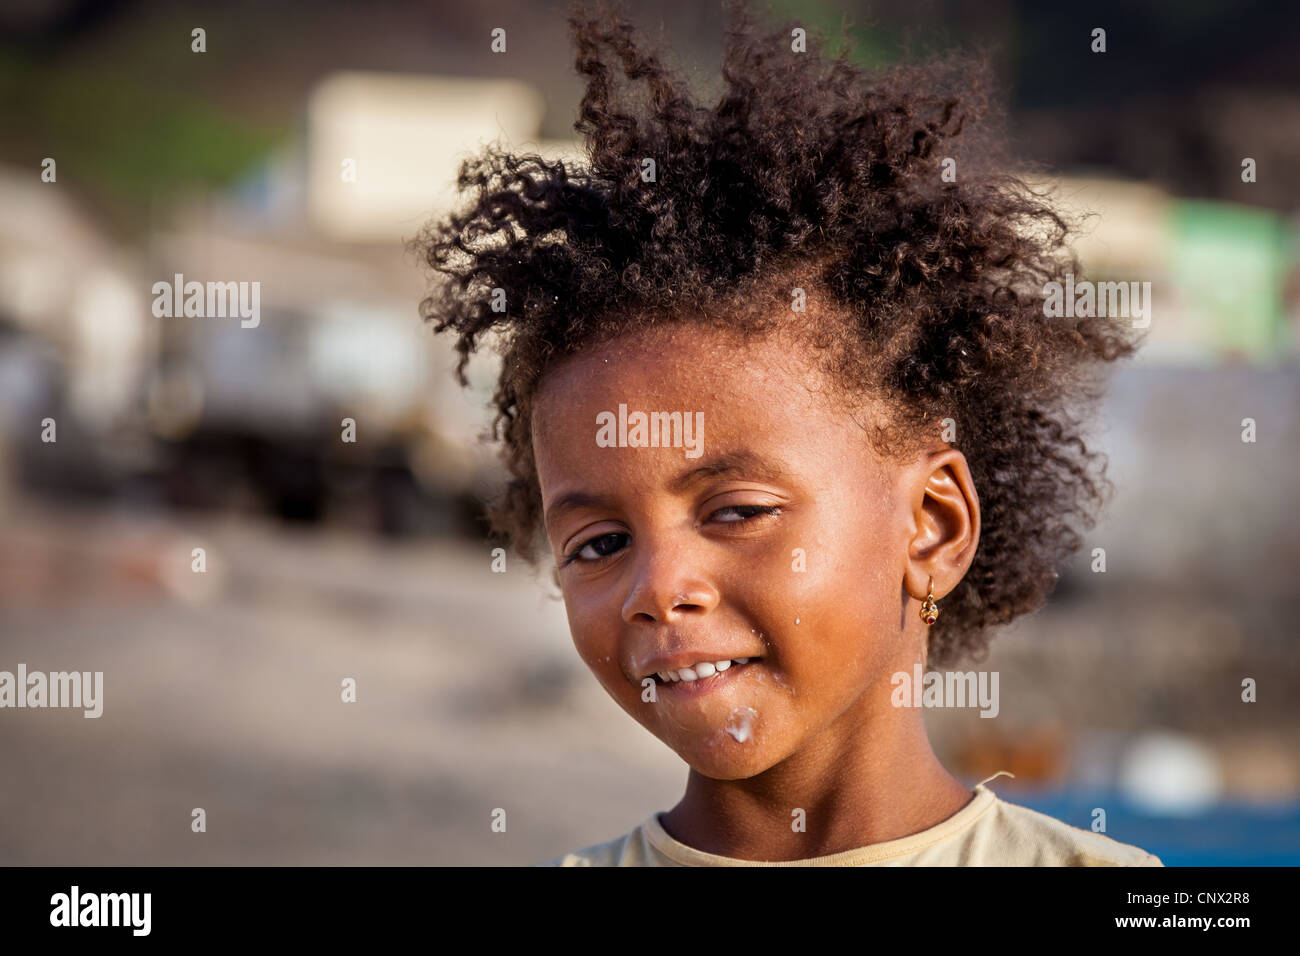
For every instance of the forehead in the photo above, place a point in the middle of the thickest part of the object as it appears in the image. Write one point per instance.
(663, 368)
(763, 394)
(676, 356)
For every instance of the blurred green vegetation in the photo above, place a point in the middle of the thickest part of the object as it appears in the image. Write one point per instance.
(872, 48)
(125, 140)
(875, 46)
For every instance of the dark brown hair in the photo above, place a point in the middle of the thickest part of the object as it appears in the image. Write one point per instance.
(808, 172)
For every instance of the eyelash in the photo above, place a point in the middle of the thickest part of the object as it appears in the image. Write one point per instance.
(769, 510)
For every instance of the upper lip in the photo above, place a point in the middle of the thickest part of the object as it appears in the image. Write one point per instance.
(679, 659)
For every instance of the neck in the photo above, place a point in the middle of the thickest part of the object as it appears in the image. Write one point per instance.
(868, 778)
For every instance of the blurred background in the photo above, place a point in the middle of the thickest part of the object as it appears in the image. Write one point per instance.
(327, 560)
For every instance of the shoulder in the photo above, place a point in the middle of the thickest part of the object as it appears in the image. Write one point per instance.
(630, 849)
(1031, 838)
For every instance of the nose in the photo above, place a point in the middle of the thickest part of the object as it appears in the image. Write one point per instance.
(668, 585)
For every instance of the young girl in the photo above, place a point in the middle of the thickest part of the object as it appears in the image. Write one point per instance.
(779, 394)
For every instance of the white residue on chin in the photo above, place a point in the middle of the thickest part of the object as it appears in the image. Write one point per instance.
(740, 723)
(781, 682)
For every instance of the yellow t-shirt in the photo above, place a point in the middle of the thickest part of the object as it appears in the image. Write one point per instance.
(988, 831)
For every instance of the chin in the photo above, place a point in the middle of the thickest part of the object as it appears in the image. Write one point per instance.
(727, 759)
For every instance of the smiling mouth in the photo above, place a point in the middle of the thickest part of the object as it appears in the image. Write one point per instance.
(705, 673)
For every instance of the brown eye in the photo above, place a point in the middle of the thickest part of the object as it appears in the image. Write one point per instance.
(601, 546)
(745, 512)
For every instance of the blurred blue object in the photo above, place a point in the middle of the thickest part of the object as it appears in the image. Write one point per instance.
(1228, 834)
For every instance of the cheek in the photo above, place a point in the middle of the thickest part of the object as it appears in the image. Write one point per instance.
(851, 545)
(594, 624)
(845, 600)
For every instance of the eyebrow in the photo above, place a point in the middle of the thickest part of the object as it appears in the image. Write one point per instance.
(731, 463)
(725, 463)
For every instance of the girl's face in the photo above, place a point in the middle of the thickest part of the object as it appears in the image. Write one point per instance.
(784, 541)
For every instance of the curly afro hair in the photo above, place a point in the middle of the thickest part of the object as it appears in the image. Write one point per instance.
(812, 173)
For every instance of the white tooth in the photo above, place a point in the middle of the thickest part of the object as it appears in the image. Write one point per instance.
(722, 665)
(705, 669)
(687, 674)
(742, 660)
(663, 676)
(672, 676)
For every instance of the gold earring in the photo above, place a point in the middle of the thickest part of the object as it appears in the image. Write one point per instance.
(929, 610)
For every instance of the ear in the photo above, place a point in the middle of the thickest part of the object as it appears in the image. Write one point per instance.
(945, 523)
